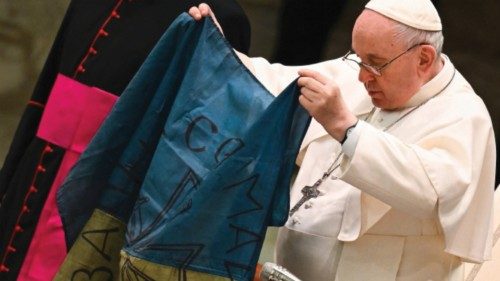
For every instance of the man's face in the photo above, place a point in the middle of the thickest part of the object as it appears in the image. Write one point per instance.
(373, 40)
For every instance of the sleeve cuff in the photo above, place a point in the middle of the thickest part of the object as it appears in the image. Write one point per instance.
(351, 142)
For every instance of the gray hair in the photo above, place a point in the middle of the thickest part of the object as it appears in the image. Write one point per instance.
(413, 36)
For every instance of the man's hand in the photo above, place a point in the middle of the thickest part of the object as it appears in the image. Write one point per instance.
(203, 10)
(321, 97)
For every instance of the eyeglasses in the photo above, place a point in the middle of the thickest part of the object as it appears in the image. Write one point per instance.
(355, 62)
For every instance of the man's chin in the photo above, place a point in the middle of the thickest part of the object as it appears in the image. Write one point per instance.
(382, 104)
(378, 102)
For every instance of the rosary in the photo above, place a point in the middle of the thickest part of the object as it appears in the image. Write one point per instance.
(310, 192)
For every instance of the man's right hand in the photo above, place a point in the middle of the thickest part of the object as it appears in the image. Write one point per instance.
(203, 10)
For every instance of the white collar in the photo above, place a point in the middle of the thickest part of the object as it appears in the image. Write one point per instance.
(435, 86)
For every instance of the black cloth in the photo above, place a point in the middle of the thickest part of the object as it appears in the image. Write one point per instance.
(303, 30)
(121, 48)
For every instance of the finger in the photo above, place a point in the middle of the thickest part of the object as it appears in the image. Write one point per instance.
(311, 83)
(314, 74)
(205, 10)
(305, 103)
(194, 12)
(310, 95)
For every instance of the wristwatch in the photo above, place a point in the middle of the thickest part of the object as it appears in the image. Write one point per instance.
(348, 131)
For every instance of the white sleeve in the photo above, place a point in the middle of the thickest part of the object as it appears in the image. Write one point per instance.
(276, 77)
(448, 173)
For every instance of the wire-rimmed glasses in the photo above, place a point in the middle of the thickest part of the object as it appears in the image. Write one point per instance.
(355, 62)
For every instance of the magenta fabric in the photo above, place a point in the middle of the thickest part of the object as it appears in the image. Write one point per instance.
(72, 116)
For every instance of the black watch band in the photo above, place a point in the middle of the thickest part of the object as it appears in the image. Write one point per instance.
(348, 131)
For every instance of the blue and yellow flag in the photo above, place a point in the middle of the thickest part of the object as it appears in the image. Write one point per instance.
(186, 173)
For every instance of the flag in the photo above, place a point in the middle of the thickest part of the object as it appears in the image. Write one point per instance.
(188, 170)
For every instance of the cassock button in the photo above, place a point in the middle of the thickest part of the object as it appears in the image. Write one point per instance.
(102, 32)
(33, 189)
(48, 149)
(26, 209)
(3, 268)
(18, 228)
(40, 168)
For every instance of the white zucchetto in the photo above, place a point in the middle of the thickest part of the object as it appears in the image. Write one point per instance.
(420, 14)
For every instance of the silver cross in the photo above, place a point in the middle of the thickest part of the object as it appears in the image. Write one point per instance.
(308, 192)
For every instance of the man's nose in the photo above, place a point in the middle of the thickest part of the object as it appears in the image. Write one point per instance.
(365, 75)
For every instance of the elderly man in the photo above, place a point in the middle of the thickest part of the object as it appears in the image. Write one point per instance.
(397, 168)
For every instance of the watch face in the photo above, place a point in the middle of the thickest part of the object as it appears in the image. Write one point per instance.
(349, 130)
(347, 133)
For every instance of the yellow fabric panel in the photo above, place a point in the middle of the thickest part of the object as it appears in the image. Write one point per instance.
(95, 253)
(132, 268)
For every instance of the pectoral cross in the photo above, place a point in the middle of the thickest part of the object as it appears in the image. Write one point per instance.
(308, 192)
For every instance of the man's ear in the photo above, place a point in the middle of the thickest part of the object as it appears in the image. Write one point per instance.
(427, 57)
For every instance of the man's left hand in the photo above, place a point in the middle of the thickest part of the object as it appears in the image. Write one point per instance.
(321, 97)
